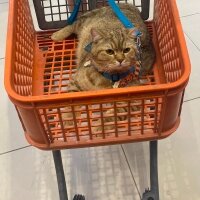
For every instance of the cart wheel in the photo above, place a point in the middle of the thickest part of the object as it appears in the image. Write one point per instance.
(149, 195)
(79, 197)
(148, 198)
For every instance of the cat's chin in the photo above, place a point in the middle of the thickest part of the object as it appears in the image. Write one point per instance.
(119, 69)
(115, 68)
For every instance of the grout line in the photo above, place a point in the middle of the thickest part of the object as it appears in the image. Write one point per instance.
(15, 150)
(4, 2)
(192, 41)
(191, 99)
(189, 15)
(131, 172)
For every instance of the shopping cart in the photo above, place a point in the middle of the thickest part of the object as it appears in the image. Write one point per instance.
(38, 70)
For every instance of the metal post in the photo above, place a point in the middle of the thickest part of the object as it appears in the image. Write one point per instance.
(145, 9)
(60, 175)
(154, 168)
(153, 193)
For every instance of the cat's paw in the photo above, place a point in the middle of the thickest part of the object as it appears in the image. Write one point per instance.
(57, 36)
(62, 33)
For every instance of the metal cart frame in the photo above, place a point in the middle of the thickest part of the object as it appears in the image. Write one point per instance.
(151, 193)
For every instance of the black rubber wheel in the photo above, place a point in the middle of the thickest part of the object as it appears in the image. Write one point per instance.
(79, 197)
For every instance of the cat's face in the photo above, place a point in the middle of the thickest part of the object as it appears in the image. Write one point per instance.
(115, 52)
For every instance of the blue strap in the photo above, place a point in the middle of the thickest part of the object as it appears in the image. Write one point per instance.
(88, 47)
(125, 21)
(117, 77)
(74, 14)
(120, 15)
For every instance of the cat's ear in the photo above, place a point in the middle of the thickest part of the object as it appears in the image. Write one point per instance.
(133, 32)
(95, 35)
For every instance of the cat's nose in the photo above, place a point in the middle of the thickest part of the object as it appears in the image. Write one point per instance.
(120, 60)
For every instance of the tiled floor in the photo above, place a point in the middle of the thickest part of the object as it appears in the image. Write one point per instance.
(104, 172)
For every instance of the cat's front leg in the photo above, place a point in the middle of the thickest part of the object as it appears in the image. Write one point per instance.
(63, 33)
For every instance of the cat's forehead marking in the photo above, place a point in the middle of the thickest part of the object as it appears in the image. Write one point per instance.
(118, 39)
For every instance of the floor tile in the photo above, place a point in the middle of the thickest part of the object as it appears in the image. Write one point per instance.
(3, 28)
(193, 88)
(191, 27)
(188, 7)
(11, 132)
(31, 2)
(98, 173)
(179, 159)
(3, 25)
(138, 158)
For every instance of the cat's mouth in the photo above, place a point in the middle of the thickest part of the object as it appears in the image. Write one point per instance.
(114, 68)
(119, 67)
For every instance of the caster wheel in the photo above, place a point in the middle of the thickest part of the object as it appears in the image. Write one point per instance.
(79, 197)
(148, 195)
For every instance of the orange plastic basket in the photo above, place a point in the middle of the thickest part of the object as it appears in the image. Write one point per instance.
(38, 70)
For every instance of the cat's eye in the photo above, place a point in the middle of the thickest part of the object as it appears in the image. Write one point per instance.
(110, 51)
(126, 50)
